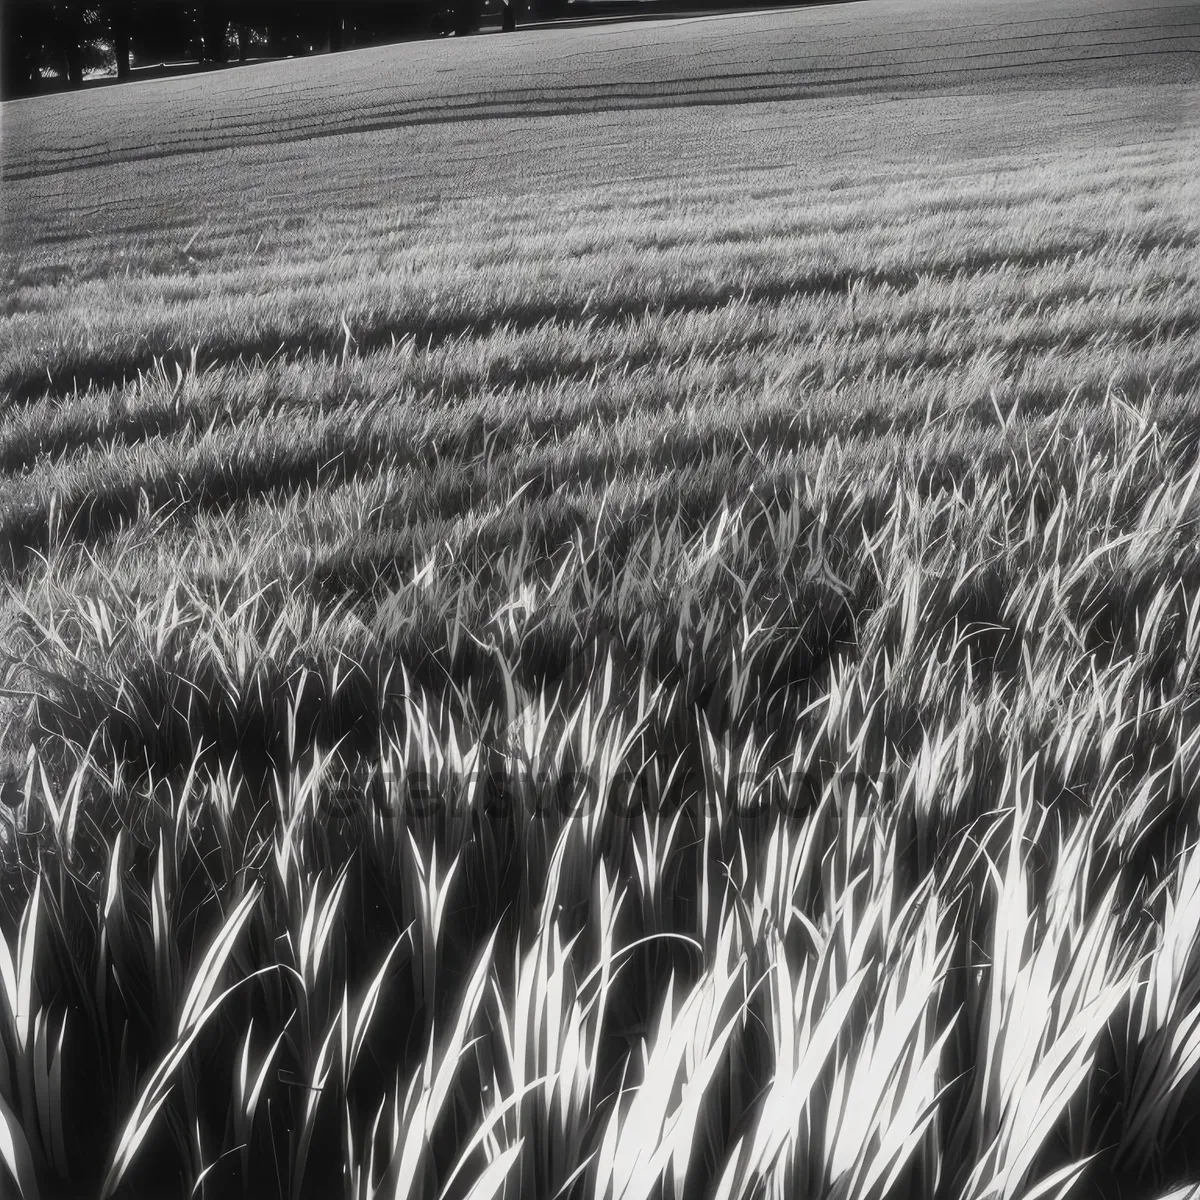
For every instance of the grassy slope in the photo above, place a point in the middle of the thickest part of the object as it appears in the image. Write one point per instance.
(901, 47)
(862, 484)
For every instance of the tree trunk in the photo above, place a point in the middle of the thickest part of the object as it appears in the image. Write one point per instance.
(73, 53)
(215, 21)
(243, 37)
(120, 36)
(121, 49)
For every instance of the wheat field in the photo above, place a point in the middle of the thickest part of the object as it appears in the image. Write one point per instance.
(632, 650)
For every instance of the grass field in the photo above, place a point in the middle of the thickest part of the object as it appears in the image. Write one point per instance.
(561, 642)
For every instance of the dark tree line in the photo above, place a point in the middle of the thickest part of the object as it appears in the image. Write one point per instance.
(55, 43)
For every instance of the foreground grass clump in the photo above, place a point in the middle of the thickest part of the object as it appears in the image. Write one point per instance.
(664, 699)
(808, 849)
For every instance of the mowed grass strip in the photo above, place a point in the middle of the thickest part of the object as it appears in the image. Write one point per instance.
(886, 47)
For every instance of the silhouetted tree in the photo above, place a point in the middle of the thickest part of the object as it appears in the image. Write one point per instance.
(214, 24)
(120, 16)
(74, 28)
(19, 72)
(62, 39)
(50, 37)
(162, 31)
(336, 21)
(466, 16)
